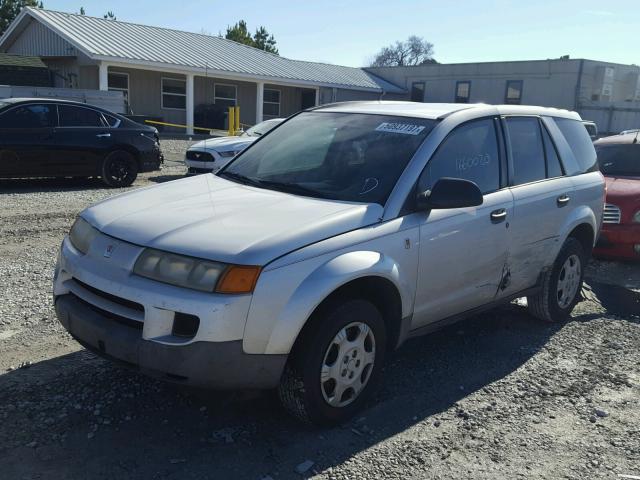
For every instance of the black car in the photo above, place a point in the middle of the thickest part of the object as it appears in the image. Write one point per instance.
(58, 138)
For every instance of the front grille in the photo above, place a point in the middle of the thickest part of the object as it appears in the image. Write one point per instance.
(611, 214)
(112, 298)
(196, 171)
(110, 315)
(199, 156)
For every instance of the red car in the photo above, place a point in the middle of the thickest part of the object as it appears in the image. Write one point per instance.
(619, 159)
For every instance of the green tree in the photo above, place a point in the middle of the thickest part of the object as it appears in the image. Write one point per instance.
(109, 15)
(239, 33)
(9, 10)
(262, 39)
(82, 12)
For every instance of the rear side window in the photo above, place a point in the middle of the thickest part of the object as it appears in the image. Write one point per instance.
(470, 152)
(554, 167)
(580, 143)
(111, 121)
(28, 116)
(71, 116)
(526, 149)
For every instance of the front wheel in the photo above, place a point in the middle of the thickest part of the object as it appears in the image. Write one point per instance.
(336, 364)
(561, 285)
(119, 169)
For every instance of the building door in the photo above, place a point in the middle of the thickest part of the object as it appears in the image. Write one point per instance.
(308, 98)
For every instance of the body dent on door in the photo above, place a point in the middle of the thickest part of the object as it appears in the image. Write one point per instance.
(463, 253)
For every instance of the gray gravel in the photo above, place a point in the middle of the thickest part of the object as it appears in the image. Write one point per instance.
(496, 396)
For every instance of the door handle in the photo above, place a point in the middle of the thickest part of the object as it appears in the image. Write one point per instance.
(103, 135)
(498, 215)
(562, 200)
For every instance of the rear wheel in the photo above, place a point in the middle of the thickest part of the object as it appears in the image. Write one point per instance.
(119, 169)
(561, 285)
(336, 364)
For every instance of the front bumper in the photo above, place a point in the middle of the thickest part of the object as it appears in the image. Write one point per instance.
(202, 364)
(151, 160)
(133, 320)
(618, 241)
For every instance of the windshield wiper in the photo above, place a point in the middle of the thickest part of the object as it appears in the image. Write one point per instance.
(241, 178)
(291, 188)
(271, 185)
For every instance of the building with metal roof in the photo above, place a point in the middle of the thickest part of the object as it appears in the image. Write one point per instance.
(169, 73)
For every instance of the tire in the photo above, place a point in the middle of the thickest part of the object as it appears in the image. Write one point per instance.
(119, 169)
(561, 285)
(304, 392)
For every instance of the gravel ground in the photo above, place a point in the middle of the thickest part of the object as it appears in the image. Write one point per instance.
(497, 396)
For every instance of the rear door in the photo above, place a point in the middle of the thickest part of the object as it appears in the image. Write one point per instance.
(542, 196)
(25, 140)
(81, 140)
(463, 250)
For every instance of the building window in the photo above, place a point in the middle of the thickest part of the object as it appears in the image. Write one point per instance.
(463, 92)
(417, 92)
(174, 93)
(119, 82)
(225, 95)
(271, 103)
(513, 95)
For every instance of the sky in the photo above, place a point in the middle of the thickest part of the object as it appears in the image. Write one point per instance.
(351, 32)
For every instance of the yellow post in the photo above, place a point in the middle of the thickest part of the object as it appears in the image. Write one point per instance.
(231, 118)
(237, 122)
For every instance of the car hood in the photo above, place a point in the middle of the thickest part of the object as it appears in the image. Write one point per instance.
(209, 217)
(623, 188)
(223, 143)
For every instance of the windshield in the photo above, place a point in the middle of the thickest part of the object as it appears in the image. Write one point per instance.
(623, 160)
(262, 128)
(340, 156)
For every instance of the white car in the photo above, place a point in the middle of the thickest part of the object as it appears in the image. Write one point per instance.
(319, 249)
(210, 155)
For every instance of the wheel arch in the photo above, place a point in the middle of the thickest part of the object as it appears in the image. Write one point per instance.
(580, 224)
(362, 274)
(124, 148)
(378, 290)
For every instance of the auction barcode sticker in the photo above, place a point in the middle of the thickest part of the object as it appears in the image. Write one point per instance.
(404, 128)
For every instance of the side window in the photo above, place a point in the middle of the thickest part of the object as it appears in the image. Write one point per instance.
(526, 149)
(554, 167)
(71, 116)
(28, 116)
(470, 152)
(580, 143)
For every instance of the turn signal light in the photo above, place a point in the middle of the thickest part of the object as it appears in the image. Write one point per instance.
(238, 279)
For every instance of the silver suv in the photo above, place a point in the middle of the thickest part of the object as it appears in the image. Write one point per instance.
(331, 240)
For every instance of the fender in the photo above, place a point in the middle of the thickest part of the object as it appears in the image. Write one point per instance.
(326, 276)
(578, 216)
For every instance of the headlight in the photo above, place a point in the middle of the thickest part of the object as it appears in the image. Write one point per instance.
(227, 154)
(196, 274)
(82, 234)
(636, 217)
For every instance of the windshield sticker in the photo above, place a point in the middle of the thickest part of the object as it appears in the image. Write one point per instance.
(403, 128)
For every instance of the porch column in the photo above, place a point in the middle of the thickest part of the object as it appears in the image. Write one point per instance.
(190, 102)
(317, 96)
(103, 76)
(259, 101)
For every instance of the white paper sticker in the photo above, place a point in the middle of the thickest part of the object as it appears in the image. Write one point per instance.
(404, 128)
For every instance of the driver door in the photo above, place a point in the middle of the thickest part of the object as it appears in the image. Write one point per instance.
(463, 251)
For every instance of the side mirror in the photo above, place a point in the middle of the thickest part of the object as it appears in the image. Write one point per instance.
(450, 193)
